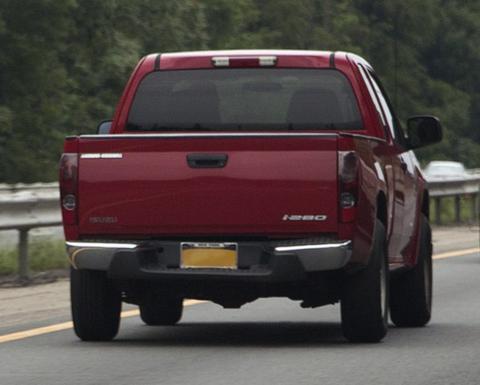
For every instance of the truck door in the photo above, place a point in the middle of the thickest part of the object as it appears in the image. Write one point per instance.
(410, 206)
(404, 175)
(394, 168)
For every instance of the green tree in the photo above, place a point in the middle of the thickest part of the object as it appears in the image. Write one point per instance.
(63, 64)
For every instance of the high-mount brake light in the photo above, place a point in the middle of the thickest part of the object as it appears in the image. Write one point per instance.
(68, 187)
(267, 61)
(248, 61)
(348, 184)
(221, 61)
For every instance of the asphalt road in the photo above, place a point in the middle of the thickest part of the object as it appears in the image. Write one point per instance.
(270, 341)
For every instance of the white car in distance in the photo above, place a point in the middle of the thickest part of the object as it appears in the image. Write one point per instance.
(441, 170)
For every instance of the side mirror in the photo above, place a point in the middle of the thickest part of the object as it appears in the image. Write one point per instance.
(103, 127)
(423, 131)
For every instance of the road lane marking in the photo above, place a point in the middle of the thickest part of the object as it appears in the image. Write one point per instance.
(457, 253)
(69, 325)
(35, 332)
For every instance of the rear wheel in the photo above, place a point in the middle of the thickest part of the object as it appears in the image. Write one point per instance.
(166, 311)
(364, 301)
(96, 305)
(411, 291)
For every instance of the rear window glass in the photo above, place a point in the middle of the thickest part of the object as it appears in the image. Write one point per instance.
(244, 99)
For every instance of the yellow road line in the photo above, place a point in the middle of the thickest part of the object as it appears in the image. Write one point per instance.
(35, 332)
(68, 325)
(457, 253)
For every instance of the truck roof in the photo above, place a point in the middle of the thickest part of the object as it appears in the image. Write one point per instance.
(286, 58)
(249, 52)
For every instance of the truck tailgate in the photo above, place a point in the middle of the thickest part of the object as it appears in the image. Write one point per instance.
(268, 186)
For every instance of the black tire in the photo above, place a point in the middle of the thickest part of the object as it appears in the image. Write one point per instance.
(163, 312)
(364, 300)
(411, 291)
(96, 305)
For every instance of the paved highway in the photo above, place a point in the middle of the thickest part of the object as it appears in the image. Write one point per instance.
(267, 342)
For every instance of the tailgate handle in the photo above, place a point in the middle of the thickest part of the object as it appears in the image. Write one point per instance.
(207, 160)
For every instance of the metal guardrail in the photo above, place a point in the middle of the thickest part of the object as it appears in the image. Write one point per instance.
(27, 206)
(456, 188)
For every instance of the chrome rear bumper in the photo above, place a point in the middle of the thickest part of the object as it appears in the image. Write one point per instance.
(94, 255)
(327, 256)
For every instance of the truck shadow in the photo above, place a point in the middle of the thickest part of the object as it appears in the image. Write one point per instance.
(287, 334)
(237, 334)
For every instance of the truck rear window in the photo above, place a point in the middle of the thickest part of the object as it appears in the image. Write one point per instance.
(244, 99)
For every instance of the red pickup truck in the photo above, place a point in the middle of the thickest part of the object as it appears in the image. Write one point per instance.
(233, 175)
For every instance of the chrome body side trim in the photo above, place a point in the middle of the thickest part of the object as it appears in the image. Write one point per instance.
(113, 155)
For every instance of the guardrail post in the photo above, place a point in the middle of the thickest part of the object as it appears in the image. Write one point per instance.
(23, 270)
(457, 209)
(474, 208)
(438, 208)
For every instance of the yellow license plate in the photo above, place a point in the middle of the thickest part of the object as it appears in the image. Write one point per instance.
(208, 255)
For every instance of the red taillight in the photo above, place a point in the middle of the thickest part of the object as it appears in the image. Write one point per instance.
(68, 187)
(348, 185)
